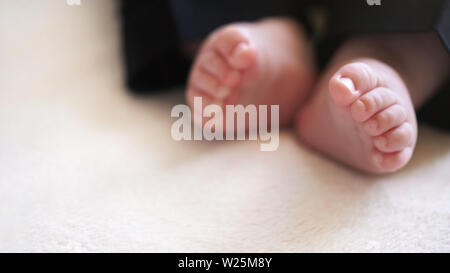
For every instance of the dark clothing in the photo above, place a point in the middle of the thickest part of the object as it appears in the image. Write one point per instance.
(195, 19)
(154, 29)
(150, 42)
(358, 17)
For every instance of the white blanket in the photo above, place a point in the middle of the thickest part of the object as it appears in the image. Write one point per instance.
(85, 166)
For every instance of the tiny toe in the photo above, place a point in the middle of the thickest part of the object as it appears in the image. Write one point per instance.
(204, 81)
(215, 64)
(243, 56)
(395, 140)
(390, 162)
(385, 120)
(372, 102)
(229, 38)
(193, 93)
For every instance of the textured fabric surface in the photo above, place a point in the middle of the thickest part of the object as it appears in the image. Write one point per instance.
(84, 166)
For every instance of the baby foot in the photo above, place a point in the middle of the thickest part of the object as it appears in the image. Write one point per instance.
(363, 117)
(267, 62)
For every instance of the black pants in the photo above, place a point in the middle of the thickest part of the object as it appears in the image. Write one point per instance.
(154, 29)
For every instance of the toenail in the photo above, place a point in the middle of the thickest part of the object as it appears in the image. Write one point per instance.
(223, 92)
(348, 83)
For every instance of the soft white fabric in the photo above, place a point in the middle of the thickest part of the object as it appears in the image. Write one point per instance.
(84, 166)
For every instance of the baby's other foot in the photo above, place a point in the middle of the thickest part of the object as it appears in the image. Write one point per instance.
(262, 63)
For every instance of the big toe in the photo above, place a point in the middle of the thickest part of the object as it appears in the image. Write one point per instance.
(352, 81)
(234, 44)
